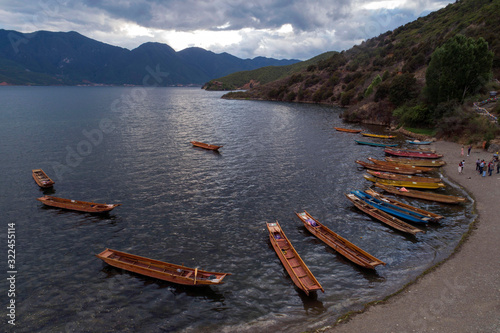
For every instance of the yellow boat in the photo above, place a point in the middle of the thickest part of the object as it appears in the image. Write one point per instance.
(380, 136)
(401, 183)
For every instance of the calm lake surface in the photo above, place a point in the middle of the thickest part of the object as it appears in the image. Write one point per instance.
(190, 206)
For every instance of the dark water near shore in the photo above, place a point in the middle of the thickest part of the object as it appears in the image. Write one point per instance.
(189, 206)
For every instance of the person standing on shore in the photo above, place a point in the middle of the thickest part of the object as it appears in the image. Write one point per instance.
(481, 167)
(468, 151)
(460, 166)
(490, 168)
(478, 162)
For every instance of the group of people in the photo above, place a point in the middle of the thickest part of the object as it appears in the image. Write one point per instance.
(482, 167)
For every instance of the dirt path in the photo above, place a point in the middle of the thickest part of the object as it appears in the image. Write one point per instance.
(462, 294)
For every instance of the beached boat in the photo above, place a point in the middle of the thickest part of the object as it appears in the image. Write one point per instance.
(161, 270)
(205, 145)
(395, 176)
(41, 178)
(411, 153)
(338, 243)
(443, 198)
(375, 144)
(433, 216)
(394, 210)
(294, 265)
(416, 162)
(377, 167)
(380, 136)
(348, 130)
(388, 219)
(402, 183)
(81, 206)
(400, 165)
(418, 142)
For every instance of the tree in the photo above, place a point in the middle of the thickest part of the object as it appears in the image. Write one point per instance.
(402, 89)
(460, 67)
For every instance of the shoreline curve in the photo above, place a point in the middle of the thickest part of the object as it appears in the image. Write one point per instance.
(462, 292)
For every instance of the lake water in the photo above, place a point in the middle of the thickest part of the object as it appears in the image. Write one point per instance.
(190, 206)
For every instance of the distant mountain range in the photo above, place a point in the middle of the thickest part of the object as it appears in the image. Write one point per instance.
(69, 58)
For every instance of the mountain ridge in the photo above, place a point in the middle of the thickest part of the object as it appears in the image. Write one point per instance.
(366, 78)
(70, 58)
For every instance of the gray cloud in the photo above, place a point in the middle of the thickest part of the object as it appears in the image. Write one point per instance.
(318, 26)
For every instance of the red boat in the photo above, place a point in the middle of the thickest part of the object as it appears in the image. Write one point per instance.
(205, 145)
(411, 153)
(348, 130)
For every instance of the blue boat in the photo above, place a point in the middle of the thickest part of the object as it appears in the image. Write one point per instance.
(375, 144)
(416, 142)
(392, 209)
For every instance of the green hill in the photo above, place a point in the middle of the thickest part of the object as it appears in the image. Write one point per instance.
(365, 77)
(246, 79)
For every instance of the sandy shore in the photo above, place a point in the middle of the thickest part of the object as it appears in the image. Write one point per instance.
(463, 293)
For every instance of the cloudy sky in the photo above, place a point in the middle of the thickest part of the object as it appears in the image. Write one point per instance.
(271, 28)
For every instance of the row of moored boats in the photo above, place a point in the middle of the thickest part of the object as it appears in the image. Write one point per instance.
(401, 170)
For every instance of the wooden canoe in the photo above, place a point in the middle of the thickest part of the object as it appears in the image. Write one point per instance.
(388, 219)
(205, 145)
(431, 215)
(422, 195)
(380, 136)
(377, 167)
(81, 206)
(375, 144)
(411, 153)
(161, 270)
(402, 183)
(294, 265)
(417, 142)
(416, 162)
(338, 243)
(400, 165)
(399, 212)
(348, 130)
(42, 179)
(395, 176)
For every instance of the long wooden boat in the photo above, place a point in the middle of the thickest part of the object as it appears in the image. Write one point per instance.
(416, 162)
(411, 153)
(433, 216)
(377, 167)
(338, 243)
(380, 136)
(402, 183)
(400, 165)
(41, 178)
(443, 198)
(348, 130)
(161, 270)
(388, 219)
(205, 145)
(375, 144)
(418, 142)
(389, 208)
(81, 206)
(395, 176)
(294, 265)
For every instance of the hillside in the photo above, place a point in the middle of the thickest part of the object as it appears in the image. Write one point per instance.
(69, 58)
(362, 78)
(248, 79)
